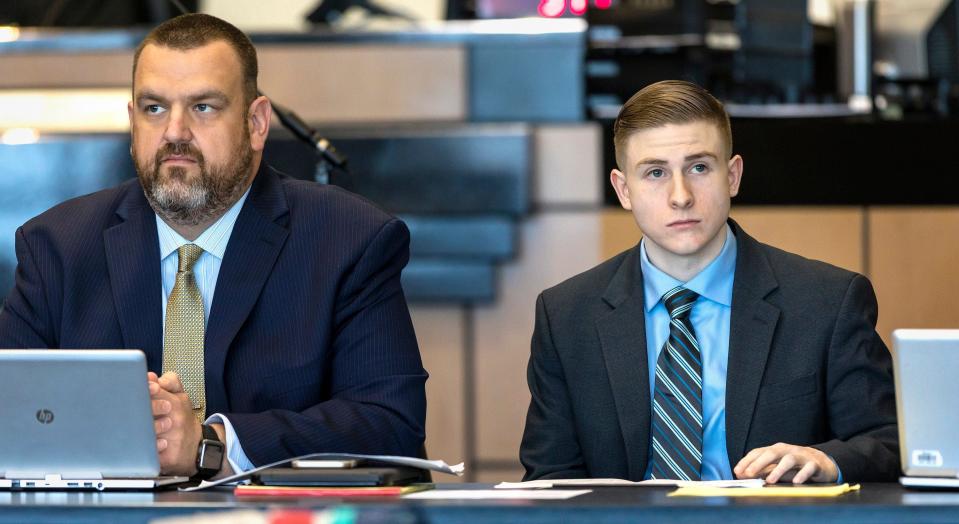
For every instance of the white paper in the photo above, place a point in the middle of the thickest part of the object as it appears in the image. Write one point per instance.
(549, 483)
(569, 483)
(744, 483)
(432, 465)
(493, 494)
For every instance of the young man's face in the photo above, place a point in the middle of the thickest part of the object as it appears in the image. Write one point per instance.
(191, 131)
(678, 184)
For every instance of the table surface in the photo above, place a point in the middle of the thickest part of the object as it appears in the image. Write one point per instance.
(874, 503)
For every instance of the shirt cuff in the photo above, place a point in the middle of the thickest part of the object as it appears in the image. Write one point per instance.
(234, 451)
(838, 471)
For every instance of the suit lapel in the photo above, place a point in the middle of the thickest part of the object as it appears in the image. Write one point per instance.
(622, 334)
(752, 327)
(133, 262)
(254, 245)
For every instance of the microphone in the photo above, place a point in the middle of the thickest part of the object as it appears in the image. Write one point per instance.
(329, 11)
(302, 130)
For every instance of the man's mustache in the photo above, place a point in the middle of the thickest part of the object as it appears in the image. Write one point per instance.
(180, 149)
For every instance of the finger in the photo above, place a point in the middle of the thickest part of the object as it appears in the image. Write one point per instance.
(806, 472)
(154, 388)
(766, 458)
(786, 463)
(162, 444)
(171, 382)
(162, 424)
(763, 473)
(747, 460)
(161, 407)
(151, 376)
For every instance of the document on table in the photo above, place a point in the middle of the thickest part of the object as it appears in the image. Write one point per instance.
(581, 483)
(494, 494)
(831, 490)
(432, 465)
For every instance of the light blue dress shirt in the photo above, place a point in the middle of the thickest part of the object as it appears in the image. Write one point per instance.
(213, 241)
(710, 319)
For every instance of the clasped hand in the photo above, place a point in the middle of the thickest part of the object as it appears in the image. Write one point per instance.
(177, 429)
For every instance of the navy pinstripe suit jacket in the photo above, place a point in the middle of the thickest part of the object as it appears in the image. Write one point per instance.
(309, 343)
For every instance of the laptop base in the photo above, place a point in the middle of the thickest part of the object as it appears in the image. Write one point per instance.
(57, 484)
(929, 482)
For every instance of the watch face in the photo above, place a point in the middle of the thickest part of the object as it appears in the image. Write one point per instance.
(211, 456)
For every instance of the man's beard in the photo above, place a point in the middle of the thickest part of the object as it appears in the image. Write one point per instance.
(190, 202)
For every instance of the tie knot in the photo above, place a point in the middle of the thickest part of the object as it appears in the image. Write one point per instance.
(679, 301)
(189, 253)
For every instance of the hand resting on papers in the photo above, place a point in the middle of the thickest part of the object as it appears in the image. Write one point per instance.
(787, 463)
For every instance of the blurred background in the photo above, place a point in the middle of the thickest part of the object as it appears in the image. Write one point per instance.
(486, 125)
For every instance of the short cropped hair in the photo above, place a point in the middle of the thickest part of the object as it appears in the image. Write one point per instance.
(668, 102)
(191, 31)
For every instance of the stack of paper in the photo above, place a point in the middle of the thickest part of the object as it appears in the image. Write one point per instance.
(704, 488)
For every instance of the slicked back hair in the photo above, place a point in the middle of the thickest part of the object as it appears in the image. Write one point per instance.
(668, 102)
(191, 31)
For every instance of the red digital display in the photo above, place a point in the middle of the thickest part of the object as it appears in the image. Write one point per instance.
(556, 8)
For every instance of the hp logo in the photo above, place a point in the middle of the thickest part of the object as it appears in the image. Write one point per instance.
(44, 416)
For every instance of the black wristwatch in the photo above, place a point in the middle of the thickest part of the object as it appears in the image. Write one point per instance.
(209, 456)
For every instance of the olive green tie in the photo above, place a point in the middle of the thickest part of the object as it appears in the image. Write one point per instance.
(183, 333)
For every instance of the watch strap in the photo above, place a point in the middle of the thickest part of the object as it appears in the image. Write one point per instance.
(210, 439)
(209, 433)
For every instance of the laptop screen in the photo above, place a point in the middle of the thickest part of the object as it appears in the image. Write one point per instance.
(926, 363)
(79, 414)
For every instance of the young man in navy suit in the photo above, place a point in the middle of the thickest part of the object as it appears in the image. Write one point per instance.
(702, 353)
(270, 309)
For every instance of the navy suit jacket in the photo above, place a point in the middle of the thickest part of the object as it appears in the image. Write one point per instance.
(309, 344)
(806, 367)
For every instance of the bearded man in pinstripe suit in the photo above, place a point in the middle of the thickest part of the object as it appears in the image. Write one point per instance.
(270, 309)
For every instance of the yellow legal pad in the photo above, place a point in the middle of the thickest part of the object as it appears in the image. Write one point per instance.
(765, 491)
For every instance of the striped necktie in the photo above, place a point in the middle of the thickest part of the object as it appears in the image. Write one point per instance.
(183, 333)
(677, 425)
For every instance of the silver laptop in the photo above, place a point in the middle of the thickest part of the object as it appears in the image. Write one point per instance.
(76, 419)
(926, 364)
